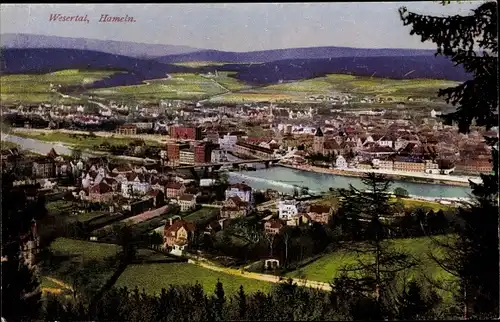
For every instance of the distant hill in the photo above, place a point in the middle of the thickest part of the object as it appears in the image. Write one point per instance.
(291, 53)
(388, 67)
(46, 60)
(125, 48)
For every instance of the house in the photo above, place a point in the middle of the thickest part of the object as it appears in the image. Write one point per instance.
(319, 213)
(214, 226)
(139, 184)
(408, 164)
(187, 202)
(241, 190)
(176, 236)
(341, 162)
(100, 192)
(158, 198)
(174, 189)
(273, 226)
(288, 209)
(299, 220)
(43, 168)
(234, 207)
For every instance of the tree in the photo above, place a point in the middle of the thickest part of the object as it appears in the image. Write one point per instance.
(374, 209)
(472, 42)
(242, 303)
(220, 300)
(413, 305)
(401, 193)
(76, 154)
(20, 287)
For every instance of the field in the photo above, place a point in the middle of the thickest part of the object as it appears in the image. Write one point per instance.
(329, 266)
(202, 214)
(369, 86)
(83, 249)
(428, 205)
(154, 277)
(36, 88)
(179, 86)
(255, 96)
(80, 140)
(334, 84)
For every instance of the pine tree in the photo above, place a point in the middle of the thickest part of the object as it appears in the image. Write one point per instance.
(374, 208)
(413, 305)
(472, 42)
(242, 303)
(219, 301)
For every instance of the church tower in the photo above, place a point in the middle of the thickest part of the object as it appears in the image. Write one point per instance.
(319, 142)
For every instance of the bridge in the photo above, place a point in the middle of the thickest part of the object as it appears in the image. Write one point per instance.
(218, 165)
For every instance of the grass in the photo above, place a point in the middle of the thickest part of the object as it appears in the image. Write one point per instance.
(154, 277)
(60, 206)
(80, 140)
(86, 216)
(254, 96)
(203, 214)
(428, 205)
(226, 80)
(335, 84)
(47, 283)
(84, 249)
(35, 88)
(180, 86)
(330, 265)
(362, 85)
(9, 145)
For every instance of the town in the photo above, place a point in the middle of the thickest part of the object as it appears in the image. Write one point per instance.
(146, 181)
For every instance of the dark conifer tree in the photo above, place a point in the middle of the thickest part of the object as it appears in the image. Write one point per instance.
(374, 209)
(472, 42)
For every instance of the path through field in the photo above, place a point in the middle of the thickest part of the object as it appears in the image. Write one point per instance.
(262, 277)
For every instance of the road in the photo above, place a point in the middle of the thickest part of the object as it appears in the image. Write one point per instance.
(451, 178)
(262, 277)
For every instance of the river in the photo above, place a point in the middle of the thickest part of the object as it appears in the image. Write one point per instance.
(280, 178)
(283, 179)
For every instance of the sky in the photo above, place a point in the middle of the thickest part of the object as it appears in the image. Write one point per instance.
(234, 27)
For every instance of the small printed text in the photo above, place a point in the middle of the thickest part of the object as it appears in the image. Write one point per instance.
(57, 17)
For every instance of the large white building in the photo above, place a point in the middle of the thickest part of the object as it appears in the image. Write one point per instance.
(341, 162)
(288, 209)
(228, 142)
(135, 187)
(241, 190)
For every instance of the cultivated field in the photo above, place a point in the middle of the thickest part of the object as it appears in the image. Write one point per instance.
(369, 86)
(154, 277)
(335, 84)
(179, 86)
(35, 88)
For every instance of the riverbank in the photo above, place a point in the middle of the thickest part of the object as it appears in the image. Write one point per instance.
(401, 176)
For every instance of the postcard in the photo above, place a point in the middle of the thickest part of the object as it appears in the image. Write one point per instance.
(249, 151)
